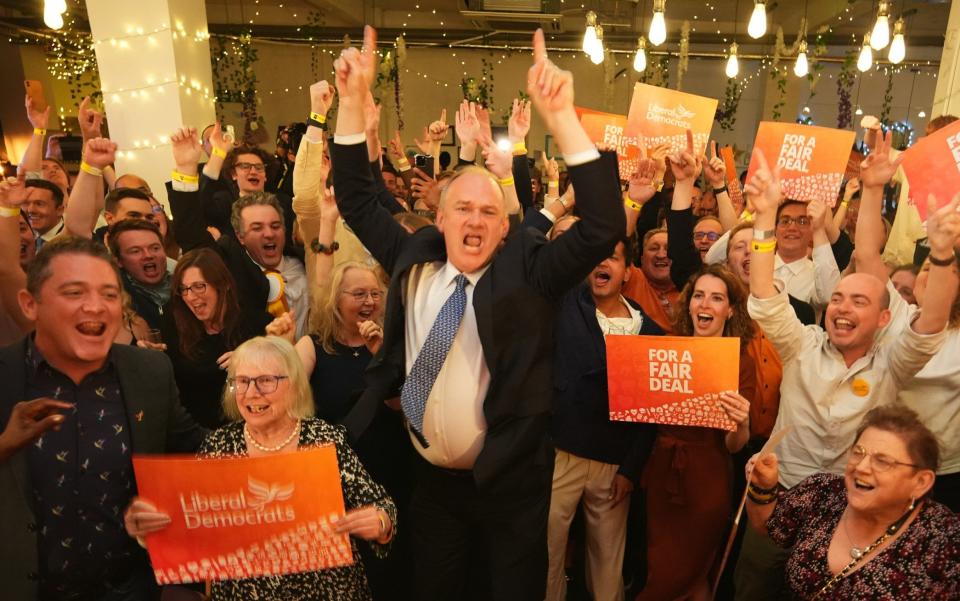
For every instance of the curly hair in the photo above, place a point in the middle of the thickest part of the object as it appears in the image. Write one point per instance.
(740, 325)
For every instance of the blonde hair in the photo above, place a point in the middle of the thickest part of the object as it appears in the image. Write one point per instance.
(328, 322)
(263, 349)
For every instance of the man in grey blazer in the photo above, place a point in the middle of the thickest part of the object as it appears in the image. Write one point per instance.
(76, 407)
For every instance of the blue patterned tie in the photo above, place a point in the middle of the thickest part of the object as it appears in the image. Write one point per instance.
(417, 387)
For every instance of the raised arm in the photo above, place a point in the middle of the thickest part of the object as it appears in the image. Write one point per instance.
(188, 221)
(467, 126)
(356, 192)
(86, 198)
(826, 273)
(715, 171)
(943, 230)
(641, 188)
(764, 193)
(763, 477)
(500, 163)
(310, 170)
(517, 129)
(686, 167)
(12, 278)
(32, 160)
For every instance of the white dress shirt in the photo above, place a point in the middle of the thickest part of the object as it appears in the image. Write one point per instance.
(453, 423)
(810, 280)
(621, 325)
(823, 399)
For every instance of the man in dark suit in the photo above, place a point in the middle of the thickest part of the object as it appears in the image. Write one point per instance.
(65, 465)
(469, 340)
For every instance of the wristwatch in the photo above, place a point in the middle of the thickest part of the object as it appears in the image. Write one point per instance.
(318, 248)
(764, 234)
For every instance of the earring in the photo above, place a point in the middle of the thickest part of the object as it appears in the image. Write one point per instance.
(913, 503)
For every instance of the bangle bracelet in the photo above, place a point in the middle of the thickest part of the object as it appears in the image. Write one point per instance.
(563, 204)
(507, 181)
(760, 500)
(219, 152)
(942, 262)
(321, 119)
(38, 131)
(9, 212)
(767, 246)
(87, 168)
(184, 179)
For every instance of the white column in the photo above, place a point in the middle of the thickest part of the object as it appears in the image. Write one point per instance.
(154, 63)
(946, 98)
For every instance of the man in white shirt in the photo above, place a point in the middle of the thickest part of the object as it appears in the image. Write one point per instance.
(832, 377)
(468, 339)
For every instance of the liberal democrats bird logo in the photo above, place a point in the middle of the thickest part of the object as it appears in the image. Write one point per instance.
(683, 112)
(263, 493)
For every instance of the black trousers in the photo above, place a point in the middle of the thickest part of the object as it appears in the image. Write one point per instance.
(473, 545)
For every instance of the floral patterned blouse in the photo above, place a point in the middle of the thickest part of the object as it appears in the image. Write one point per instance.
(922, 563)
(337, 584)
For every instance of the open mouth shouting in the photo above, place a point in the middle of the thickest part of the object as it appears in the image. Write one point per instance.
(151, 269)
(861, 485)
(704, 320)
(254, 181)
(92, 328)
(842, 324)
(473, 242)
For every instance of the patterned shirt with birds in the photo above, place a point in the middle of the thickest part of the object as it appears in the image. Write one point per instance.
(82, 478)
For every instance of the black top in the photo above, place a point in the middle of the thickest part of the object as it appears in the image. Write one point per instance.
(201, 380)
(337, 379)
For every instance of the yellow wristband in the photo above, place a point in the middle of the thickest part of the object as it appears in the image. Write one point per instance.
(39, 132)
(318, 117)
(184, 179)
(632, 205)
(507, 181)
(554, 183)
(9, 212)
(219, 152)
(86, 168)
(763, 246)
(519, 148)
(845, 203)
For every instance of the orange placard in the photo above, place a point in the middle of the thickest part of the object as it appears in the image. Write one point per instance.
(812, 159)
(932, 166)
(608, 129)
(244, 517)
(663, 116)
(674, 380)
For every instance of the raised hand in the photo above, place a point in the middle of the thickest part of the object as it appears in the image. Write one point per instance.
(714, 168)
(13, 192)
(425, 188)
(686, 165)
(550, 167)
(99, 152)
(220, 139)
(186, 150)
(328, 206)
(395, 149)
(467, 124)
(38, 119)
(321, 97)
(877, 169)
(433, 135)
(90, 120)
(763, 189)
(943, 226)
(763, 472)
(499, 162)
(519, 124)
(486, 130)
(852, 187)
(356, 69)
(817, 212)
(659, 154)
(641, 186)
(550, 88)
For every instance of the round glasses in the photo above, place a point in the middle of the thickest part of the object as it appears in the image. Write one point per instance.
(879, 461)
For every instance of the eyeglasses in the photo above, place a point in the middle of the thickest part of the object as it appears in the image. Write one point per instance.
(248, 166)
(196, 288)
(711, 236)
(361, 295)
(264, 384)
(787, 221)
(879, 461)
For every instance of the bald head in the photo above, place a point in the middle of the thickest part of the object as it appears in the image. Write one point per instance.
(130, 180)
(472, 181)
(869, 285)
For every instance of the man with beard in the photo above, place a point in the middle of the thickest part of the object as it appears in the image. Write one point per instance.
(65, 455)
(832, 377)
(269, 273)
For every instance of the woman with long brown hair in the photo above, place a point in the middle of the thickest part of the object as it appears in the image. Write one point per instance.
(203, 323)
(689, 476)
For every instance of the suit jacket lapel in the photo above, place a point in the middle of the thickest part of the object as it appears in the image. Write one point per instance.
(483, 309)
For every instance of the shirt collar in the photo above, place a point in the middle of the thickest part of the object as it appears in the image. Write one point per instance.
(795, 267)
(35, 359)
(53, 232)
(448, 273)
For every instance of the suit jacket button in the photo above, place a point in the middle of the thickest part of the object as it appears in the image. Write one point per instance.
(31, 527)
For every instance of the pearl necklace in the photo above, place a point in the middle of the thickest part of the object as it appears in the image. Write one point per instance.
(266, 449)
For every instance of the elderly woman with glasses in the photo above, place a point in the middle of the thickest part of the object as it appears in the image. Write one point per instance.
(873, 532)
(203, 322)
(269, 402)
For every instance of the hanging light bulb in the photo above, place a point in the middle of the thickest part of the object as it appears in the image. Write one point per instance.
(733, 66)
(880, 36)
(658, 25)
(865, 60)
(758, 20)
(640, 59)
(858, 112)
(590, 34)
(57, 6)
(898, 47)
(596, 56)
(801, 67)
(922, 114)
(52, 19)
